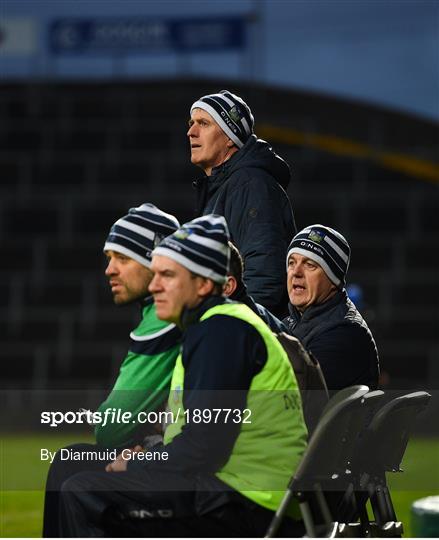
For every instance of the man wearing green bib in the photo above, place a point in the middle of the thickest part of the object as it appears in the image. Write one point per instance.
(236, 433)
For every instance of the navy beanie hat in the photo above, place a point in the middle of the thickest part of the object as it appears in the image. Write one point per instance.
(201, 246)
(231, 113)
(326, 247)
(136, 234)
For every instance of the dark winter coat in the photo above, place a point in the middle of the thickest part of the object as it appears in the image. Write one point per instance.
(241, 295)
(249, 191)
(340, 339)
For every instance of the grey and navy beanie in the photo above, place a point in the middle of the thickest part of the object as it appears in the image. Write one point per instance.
(326, 247)
(201, 246)
(231, 113)
(136, 234)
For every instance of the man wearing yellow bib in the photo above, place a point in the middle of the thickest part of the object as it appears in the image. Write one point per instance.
(236, 431)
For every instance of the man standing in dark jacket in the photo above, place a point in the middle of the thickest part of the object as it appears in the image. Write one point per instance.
(235, 289)
(245, 181)
(321, 314)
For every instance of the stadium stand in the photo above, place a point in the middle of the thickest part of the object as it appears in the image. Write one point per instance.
(74, 157)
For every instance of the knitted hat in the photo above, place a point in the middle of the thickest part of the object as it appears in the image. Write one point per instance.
(231, 113)
(201, 246)
(326, 247)
(136, 234)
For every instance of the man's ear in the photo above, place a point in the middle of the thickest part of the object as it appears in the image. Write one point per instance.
(205, 286)
(230, 286)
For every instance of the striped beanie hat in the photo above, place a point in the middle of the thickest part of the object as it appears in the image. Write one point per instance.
(231, 113)
(136, 234)
(201, 246)
(326, 247)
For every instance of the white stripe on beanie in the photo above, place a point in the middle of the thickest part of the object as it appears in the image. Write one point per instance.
(190, 265)
(211, 234)
(224, 103)
(136, 234)
(143, 231)
(316, 243)
(316, 258)
(119, 248)
(209, 109)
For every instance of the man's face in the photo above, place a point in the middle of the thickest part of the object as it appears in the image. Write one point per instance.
(210, 146)
(307, 282)
(129, 280)
(175, 288)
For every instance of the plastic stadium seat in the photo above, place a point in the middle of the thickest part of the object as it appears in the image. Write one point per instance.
(148, 140)
(98, 218)
(338, 171)
(415, 251)
(409, 326)
(79, 257)
(127, 171)
(425, 288)
(376, 255)
(38, 218)
(115, 324)
(40, 327)
(54, 294)
(90, 102)
(398, 359)
(9, 172)
(388, 217)
(80, 138)
(320, 211)
(59, 172)
(22, 139)
(428, 216)
(16, 256)
(309, 375)
(325, 461)
(93, 361)
(380, 450)
(18, 362)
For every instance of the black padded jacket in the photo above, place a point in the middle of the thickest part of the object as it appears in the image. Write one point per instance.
(338, 336)
(249, 190)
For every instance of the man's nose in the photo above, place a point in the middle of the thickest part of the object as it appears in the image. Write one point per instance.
(297, 270)
(152, 287)
(111, 269)
(191, 132)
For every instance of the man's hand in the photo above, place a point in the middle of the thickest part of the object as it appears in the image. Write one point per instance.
(120, 463)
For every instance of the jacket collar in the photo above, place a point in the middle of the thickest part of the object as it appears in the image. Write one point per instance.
(241, 295)
(147, 301)
(224, 167)
(234, 159)
(204, 183)
(190, 316)
(316, 310)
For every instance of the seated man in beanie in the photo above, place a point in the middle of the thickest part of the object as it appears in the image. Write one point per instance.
(237, 433)
(145, 374)
(321, 314)
(246, 182)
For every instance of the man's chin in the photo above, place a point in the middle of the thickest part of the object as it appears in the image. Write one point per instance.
(121, 300)
(298, 304)
(196, 161)
(163, 314)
